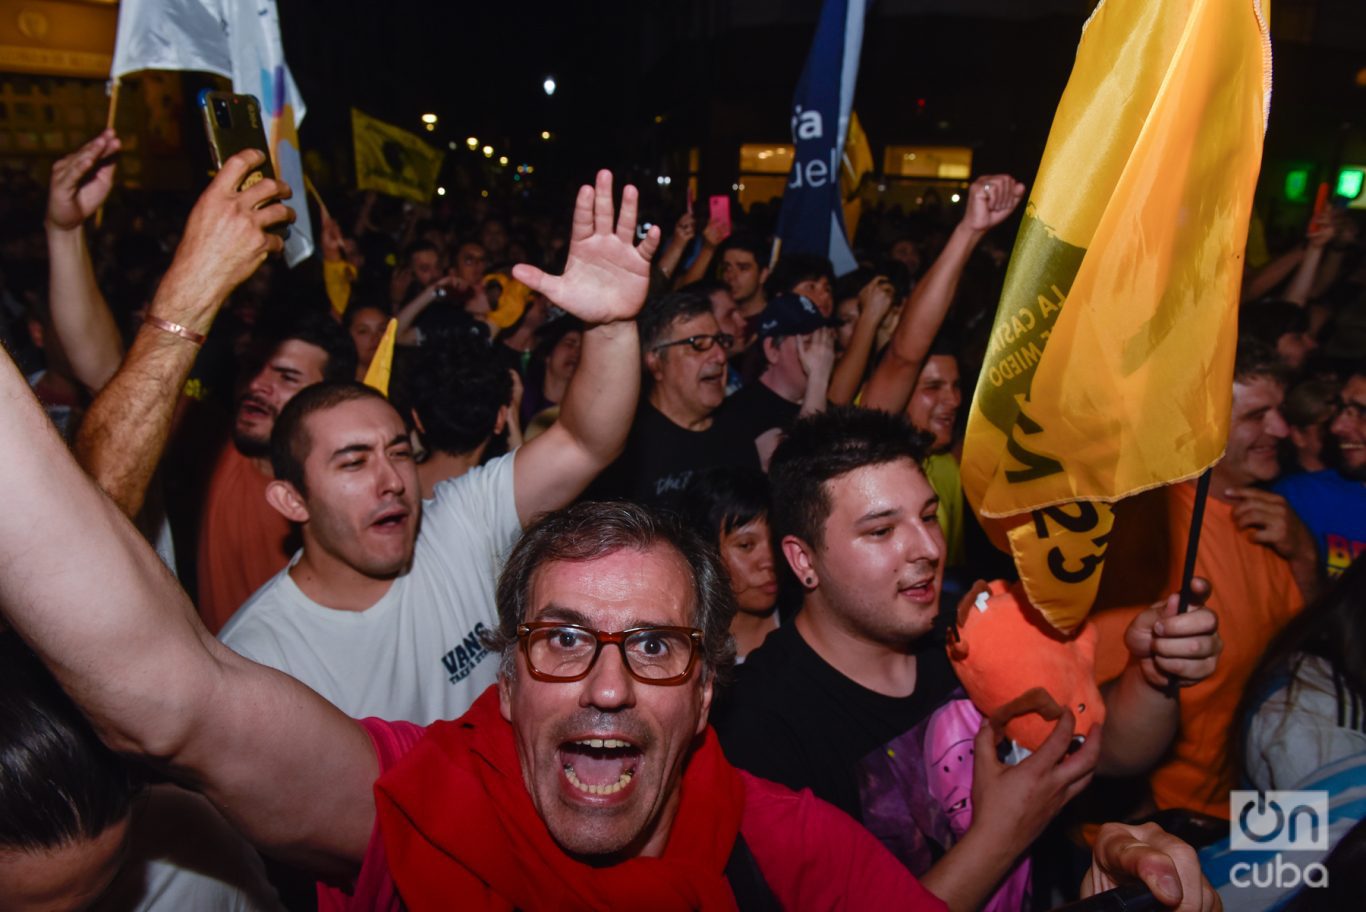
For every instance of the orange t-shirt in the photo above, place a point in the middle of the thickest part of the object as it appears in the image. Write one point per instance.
(1254, 594)
(242, 539)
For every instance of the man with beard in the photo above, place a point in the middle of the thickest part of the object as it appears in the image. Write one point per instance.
(242, 541)
(127, 427)
(1332, 501)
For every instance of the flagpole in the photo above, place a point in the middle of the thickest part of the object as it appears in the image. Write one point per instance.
(1193, 541)
(1192, 549)
(109, 125)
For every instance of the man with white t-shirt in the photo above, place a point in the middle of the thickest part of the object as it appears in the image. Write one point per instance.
(383, 609)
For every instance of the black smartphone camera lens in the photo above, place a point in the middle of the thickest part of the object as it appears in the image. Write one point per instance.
(222, 112)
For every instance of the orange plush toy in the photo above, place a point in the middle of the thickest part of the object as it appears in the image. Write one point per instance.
(1019, 670)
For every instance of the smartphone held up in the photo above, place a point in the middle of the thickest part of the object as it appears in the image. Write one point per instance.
(233, 123)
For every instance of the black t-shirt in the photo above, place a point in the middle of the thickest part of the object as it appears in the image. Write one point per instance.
(660, 458)
(792, 718)
(754, 410)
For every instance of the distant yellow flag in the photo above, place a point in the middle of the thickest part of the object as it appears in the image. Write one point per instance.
(857, 164)
(1109, 369)
(382, 365)
(392, 160)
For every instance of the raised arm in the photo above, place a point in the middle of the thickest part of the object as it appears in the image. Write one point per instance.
(1297, 292)
(816, 352)
(712, 235)
(81, 319)
(874, 300)
(124, 433)
(89, 596)
(1260, 282)
(604, 284)
(669, 257)
(991, 200)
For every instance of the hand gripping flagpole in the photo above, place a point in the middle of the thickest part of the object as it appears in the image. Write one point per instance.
(1192, 549)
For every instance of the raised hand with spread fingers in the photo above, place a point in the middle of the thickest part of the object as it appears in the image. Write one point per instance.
(604, 284)
(607, 274)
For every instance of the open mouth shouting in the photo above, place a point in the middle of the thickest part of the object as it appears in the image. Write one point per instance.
(599, 768)
(390, 519)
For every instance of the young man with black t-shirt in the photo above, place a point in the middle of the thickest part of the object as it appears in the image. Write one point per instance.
(857, 701)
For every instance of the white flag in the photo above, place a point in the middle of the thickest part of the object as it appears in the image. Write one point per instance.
(239, 40)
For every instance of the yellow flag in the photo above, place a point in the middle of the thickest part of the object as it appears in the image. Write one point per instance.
(392, 160)
(1109, 369)
(382, 365)
(856, 165)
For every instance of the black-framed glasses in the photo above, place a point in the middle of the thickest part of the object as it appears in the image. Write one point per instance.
(700, 343)
(567, 652)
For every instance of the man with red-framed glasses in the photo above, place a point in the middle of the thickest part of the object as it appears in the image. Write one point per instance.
(593, 782)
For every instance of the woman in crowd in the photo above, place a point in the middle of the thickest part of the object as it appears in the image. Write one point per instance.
(552, 365)
(1302, 726)
(730, 507)
(1305, 704)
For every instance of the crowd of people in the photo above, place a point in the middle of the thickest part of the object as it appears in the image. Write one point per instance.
(629, 586)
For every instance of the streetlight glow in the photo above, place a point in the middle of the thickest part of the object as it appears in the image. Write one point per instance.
(549, 85)
(472, 142)
(488, 151)
(429, 118)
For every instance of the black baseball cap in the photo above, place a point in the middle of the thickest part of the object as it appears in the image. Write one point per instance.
(791, 314)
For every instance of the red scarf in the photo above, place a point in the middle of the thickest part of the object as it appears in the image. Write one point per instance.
(459, 829)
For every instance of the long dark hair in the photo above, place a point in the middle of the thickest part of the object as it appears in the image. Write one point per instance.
(1333, 629)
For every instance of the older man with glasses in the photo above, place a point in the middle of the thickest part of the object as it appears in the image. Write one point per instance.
(587, 778)
(678, 429)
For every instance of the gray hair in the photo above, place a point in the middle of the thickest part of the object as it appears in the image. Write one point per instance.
(588, 531)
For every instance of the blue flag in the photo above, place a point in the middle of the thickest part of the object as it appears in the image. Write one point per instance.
(812, 217)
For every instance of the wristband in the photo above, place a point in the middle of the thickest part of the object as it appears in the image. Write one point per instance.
(174, 329)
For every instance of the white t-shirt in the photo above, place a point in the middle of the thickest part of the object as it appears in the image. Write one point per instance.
(415, 655)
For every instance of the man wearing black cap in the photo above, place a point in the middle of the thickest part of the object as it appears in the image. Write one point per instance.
(799, 350)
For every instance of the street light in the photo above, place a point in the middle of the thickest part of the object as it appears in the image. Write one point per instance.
(503, 160)
(549, 85)
(488, 151)
(429, 118)
(545, 134)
